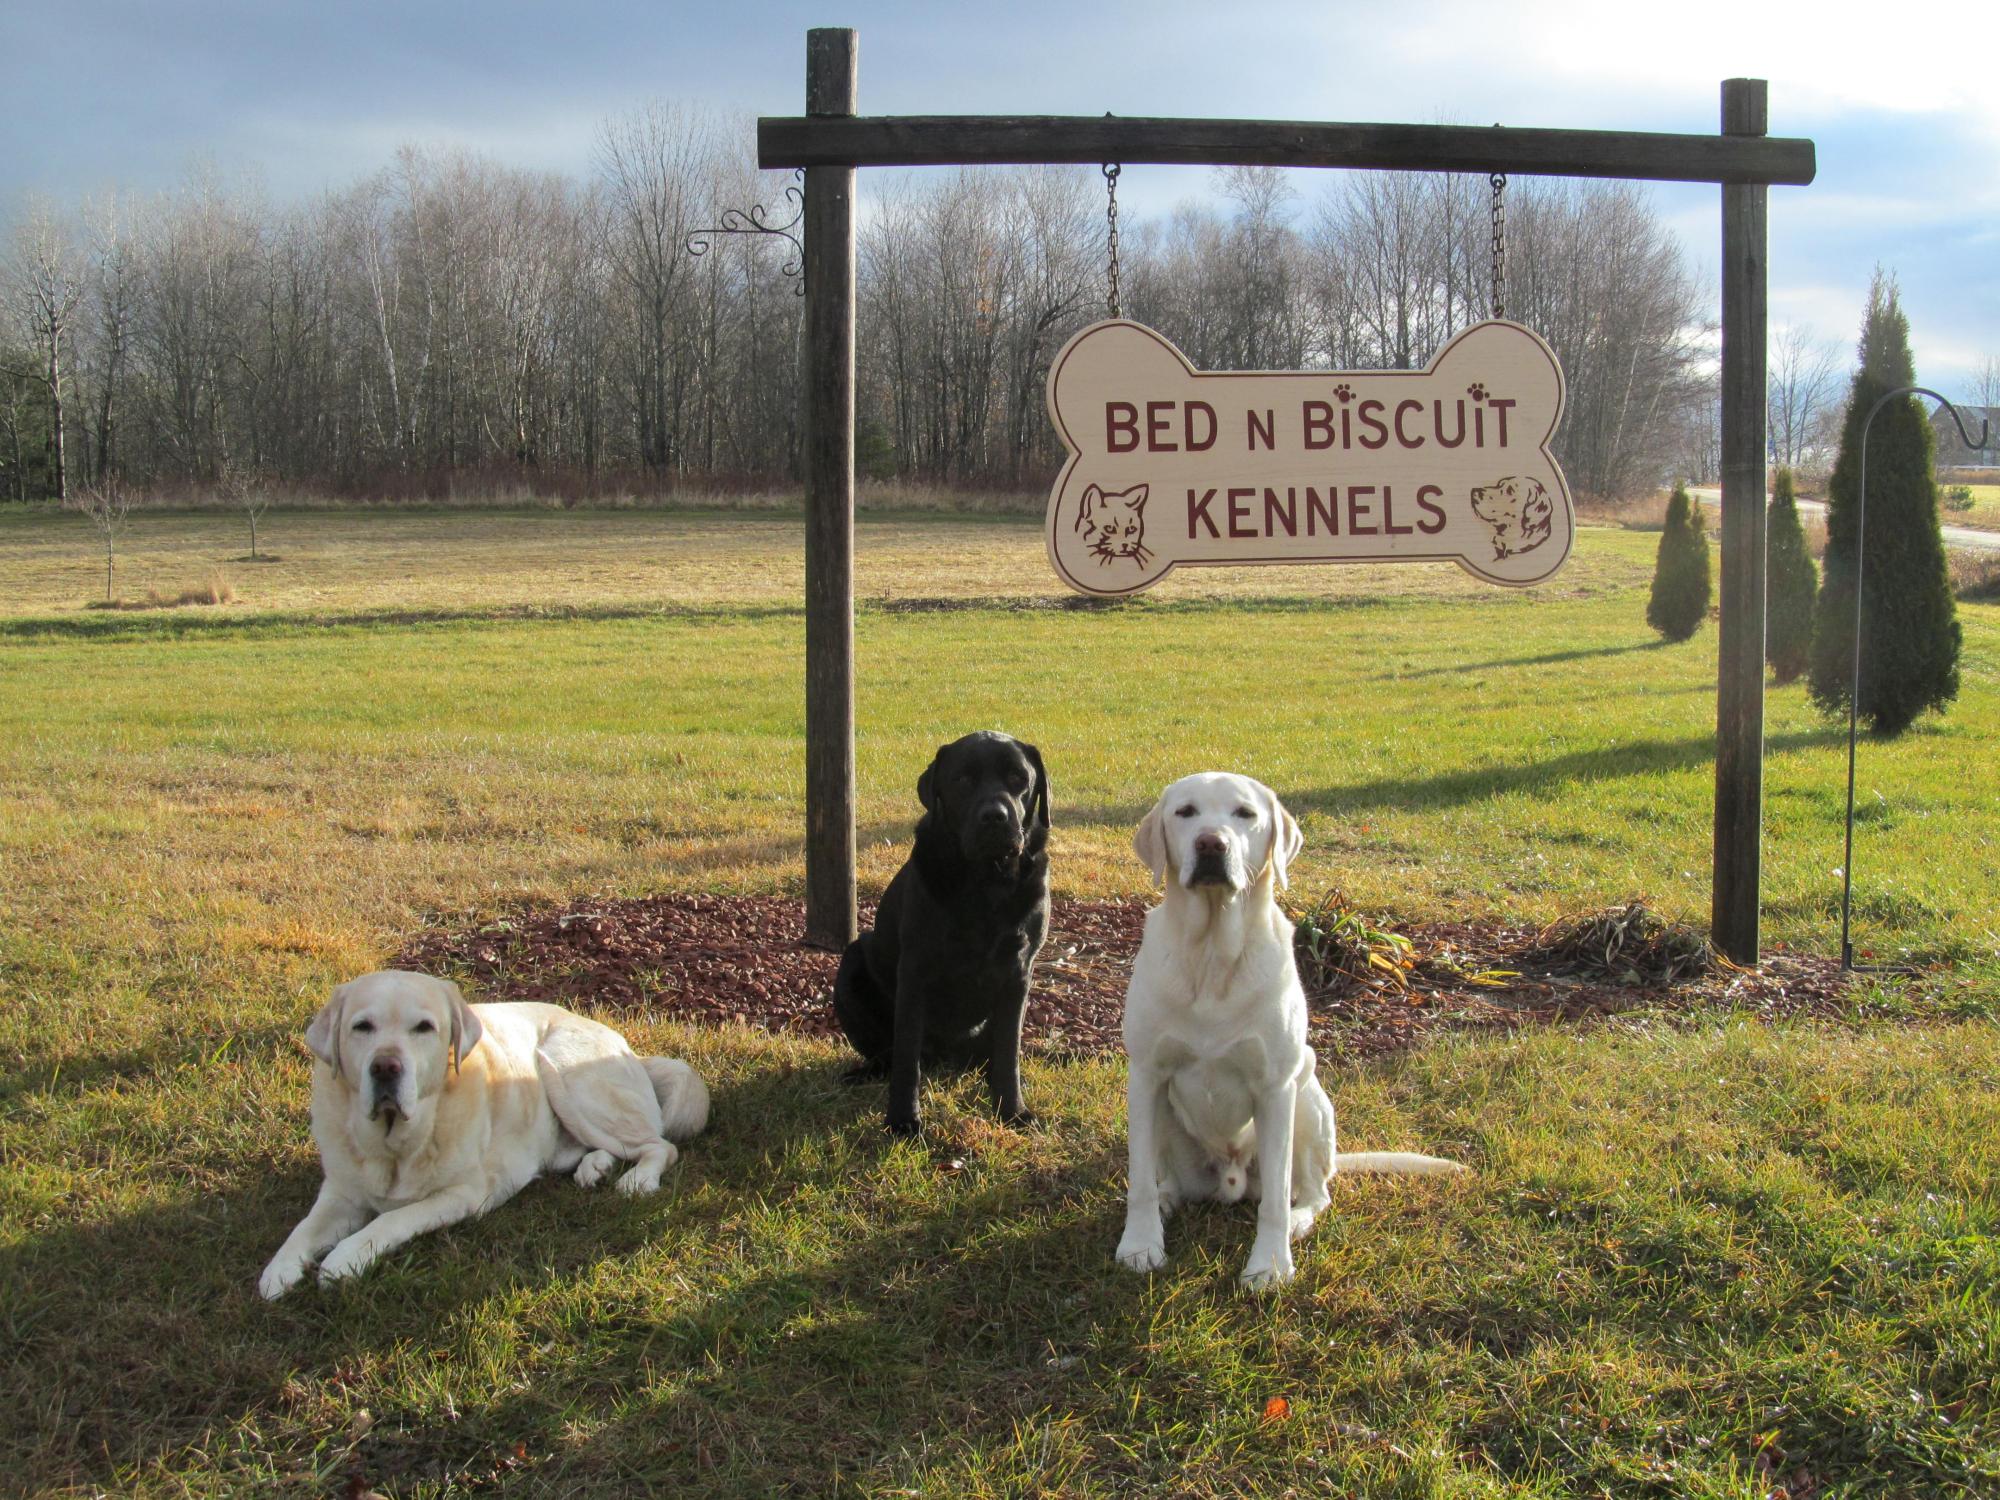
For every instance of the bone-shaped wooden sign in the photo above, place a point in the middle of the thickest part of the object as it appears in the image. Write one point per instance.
(1173, 466)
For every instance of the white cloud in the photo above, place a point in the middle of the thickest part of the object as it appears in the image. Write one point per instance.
(1821, 59)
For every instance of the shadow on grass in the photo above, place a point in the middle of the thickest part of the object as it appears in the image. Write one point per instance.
(174, 625)
(77, 1075)
(145, 1343)
(1500, 663)
(1542, 777)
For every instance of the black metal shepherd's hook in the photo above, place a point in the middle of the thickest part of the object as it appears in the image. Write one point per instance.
(752, 221)
(1854, 681)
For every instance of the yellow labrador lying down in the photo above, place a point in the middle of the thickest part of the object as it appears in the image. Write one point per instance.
(1223, 1099)
(428, 1110)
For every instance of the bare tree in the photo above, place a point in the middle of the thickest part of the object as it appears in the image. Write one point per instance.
(246, 490)
(651, 163)
(14, 413)
(45, 281)
(110, 301)
(452, 319)
(1804, 394)
(108, 505)
(1983, 389)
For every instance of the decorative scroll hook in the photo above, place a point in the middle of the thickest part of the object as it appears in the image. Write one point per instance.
(755, 220)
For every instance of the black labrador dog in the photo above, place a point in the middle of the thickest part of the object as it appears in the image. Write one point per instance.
(943, 975)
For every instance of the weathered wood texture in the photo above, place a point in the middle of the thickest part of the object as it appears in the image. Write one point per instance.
(829, 466)
(1739, 716)
(943, 140)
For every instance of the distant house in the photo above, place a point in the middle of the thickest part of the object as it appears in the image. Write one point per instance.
(1953, 454)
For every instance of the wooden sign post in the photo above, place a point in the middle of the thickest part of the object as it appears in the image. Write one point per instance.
(829, 141)
(1171, 466)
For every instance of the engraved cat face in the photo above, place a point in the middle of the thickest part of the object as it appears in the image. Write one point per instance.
(1113, 523)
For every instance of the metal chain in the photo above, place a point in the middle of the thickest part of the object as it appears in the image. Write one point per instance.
(1111, 172)
(1499, 181)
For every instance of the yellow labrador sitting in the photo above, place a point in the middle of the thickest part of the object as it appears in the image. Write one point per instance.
(1222, 1098)
(428, 1110)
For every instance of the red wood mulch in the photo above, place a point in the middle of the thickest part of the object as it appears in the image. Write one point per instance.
(744, 959)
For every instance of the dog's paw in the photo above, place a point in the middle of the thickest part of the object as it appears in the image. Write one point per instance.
(643, 1176)
(639, 1181)
(1141, 1255)
(349, 1258)
(590, 1171)
(1268, 1268)
(1303, 1220)
(906, 1125)
(1020, 1117)
(279, 1277)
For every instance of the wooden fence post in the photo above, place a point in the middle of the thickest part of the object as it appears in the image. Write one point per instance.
(829, 476)
(1739, 715)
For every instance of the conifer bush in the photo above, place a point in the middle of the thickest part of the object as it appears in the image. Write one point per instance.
(1910, 635)
(1791, 584)
(1680, 573)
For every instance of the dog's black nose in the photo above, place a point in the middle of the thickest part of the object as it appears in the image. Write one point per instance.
(993, 815)
(1210, 844)
(386, 1069)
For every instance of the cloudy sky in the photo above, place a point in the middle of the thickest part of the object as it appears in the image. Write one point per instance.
(301, 96)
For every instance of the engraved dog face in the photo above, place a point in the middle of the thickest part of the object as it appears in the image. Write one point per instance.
(1519, 512)
(1113, 522)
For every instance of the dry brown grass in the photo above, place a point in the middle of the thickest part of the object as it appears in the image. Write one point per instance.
(218, 590)
(1974, 575)
(1648, 513)
(508, 487)
(378, 560)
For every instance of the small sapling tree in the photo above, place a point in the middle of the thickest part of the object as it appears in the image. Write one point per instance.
(108, 503)
(1791, 584)
(1680, 572)
(247, 491)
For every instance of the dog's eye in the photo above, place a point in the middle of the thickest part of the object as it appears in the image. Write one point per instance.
(1244, 812)
(1184, 812)
(364, 1025)
(423, 1026)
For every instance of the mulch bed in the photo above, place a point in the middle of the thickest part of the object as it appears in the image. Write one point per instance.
(743, 959)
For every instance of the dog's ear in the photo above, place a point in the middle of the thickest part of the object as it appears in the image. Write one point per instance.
(1286, 840)
(323, 1033)
(466, 1029)
(1087, 506)
(927, 783)
(1039, 798)
(1149, 842)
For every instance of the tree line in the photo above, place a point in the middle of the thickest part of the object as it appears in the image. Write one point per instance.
(448, 320)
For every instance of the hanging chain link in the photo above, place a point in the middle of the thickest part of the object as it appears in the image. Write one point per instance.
(1499, 182)
(1111, 172)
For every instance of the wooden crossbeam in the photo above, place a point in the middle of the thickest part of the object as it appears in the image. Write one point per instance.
(948, 140)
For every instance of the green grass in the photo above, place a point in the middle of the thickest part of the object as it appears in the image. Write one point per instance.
(1985, 512)
(1678, 1251)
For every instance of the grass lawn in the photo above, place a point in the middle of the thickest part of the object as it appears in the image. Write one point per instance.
(1985, 512)
(1689, 1257)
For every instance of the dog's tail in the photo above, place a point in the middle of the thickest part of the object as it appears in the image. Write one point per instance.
(683, 1097)
(1402, 1163)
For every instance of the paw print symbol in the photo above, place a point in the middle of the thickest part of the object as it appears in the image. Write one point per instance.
(1477, 391)
(1343, 392)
